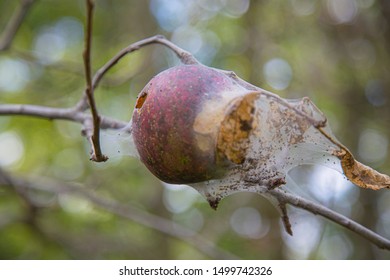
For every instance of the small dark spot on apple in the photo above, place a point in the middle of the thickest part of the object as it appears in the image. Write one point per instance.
(245, 125)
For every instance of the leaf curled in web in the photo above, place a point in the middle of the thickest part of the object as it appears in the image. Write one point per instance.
(362, 175)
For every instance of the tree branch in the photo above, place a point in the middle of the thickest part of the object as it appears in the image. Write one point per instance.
(184, 56)
(14, 23)
(285, 217)
(51, 113)
(317, 209)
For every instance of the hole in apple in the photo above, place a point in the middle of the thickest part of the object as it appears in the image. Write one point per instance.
(141, 100)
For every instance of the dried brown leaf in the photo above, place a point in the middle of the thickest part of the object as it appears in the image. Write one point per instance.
(362, 175)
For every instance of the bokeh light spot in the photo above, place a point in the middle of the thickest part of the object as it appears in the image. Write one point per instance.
(11, 148)
(68, 164)
(192, 219)
(375, 93)
(179, 198)
(342, 11)
(278, 73)
(307, 231)
(52, 42)
(247, 222)
(14, 75)
(336, 246)
(236, 8)
(373, 146)
(170, 14)
(188, 38)
(74, 204)
(303, 7)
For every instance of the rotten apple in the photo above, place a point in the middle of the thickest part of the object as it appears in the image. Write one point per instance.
(192, 123)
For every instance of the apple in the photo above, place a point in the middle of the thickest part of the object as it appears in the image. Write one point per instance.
(192, 123)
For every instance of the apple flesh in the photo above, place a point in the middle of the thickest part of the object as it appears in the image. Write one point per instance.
(192, 123)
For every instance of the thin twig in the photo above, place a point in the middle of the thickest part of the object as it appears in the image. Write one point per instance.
(285, 217)
(184, 56)
(317, 209)
(125, 211)
(96, 154)
(14, 23)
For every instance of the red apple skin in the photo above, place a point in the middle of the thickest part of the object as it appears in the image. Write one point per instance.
(163, 123)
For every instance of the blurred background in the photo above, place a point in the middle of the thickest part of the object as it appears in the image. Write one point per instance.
(334, 51)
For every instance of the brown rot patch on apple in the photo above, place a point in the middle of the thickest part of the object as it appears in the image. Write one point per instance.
(236, 128)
